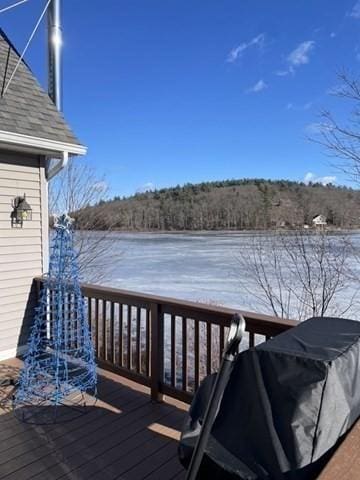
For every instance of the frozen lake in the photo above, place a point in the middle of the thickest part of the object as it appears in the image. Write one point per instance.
(202, 267)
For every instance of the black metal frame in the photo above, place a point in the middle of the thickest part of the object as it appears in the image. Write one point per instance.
(236, 332)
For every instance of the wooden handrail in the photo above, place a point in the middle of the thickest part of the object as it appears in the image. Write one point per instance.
(137, 298)
(135, 335)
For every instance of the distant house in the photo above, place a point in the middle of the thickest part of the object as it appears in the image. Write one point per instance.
(319, 221)
(32, 131)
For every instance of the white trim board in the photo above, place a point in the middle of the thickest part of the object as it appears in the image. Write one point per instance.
(39, 145)
(44, 193)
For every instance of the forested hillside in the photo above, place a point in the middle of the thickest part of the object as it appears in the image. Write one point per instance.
(223, 205)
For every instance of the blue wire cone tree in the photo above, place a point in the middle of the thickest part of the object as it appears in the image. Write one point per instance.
(60, 358)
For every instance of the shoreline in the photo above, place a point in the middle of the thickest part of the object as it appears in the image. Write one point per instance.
(227, 232)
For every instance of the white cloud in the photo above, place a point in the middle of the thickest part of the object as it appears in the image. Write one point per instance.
(324, 180)
(355, 12)
(305, 106)
(309, 177)
(258, 87)
(300, 55)
(147, 187)
(237, 52)
(283, 73)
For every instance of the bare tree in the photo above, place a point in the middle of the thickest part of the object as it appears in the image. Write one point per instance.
(298, 275)
(73, 190)
(341, 139)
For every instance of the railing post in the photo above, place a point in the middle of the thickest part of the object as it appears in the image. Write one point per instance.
(157, 351)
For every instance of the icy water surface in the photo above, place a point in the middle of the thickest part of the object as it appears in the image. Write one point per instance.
(195, 266)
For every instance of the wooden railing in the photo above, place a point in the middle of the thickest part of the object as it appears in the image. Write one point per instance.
(166, 344)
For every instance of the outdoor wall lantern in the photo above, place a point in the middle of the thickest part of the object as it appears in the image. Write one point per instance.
(21, 212)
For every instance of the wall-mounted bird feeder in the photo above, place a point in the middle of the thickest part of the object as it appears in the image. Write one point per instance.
(21, 212)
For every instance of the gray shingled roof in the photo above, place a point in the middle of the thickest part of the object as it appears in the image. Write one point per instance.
(26, 108)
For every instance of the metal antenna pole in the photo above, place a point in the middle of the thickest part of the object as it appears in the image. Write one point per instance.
(54, 53)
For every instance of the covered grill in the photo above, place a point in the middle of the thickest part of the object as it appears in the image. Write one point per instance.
(287, 404)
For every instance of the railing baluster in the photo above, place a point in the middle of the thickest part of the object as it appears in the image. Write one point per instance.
(72, 324)
(96, 337)
(184, 354)
(221, 342)
(112, 342)
(138, 332)
(104, 332)
(52, 312)
(208, 348)
(128, 359)
(76, 322)
(196, 354)
(89, 314)
(121, 335)
(89, 302)
(72, 321)
(147, 344)
(173, 351)
(65, 323)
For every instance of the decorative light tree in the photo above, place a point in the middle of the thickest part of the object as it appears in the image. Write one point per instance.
(60, 358)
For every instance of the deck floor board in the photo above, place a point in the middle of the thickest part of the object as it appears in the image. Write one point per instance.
(122, 436)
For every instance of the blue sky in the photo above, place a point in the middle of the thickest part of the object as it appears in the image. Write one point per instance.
(168, 91)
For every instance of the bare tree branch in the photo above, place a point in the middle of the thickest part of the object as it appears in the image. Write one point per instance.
(342, 139)
(73, 190)
(298, 275)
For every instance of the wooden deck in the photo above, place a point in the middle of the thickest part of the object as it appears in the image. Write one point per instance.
(123, 436)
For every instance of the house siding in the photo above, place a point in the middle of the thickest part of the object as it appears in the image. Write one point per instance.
(22, 250)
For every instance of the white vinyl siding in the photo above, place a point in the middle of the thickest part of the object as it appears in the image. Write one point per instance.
(21, 249)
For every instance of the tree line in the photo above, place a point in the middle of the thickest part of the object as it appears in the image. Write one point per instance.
(226, 205)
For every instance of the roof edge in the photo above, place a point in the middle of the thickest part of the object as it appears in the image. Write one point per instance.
(41, 145)
(12, 46)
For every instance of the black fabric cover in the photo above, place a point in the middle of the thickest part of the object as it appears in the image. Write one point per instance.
(287, 403)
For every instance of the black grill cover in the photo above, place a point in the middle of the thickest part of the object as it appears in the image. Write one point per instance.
(287, 403)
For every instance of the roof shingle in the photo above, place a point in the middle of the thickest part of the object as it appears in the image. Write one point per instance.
(26, 108)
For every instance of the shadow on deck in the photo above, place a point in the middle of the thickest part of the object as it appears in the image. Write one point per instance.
(123, 436)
